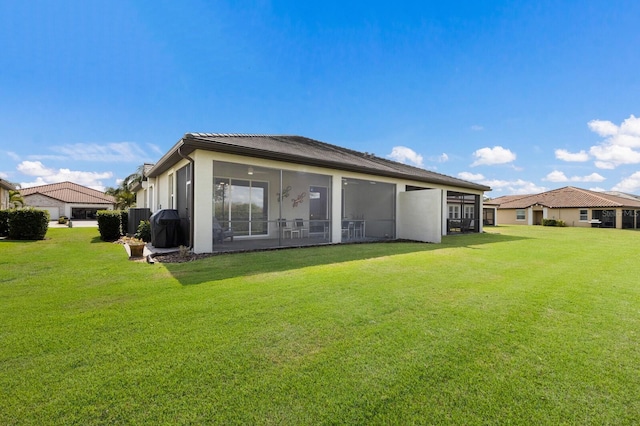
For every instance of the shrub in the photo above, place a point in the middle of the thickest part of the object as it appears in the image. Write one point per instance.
(144, 231)
(109, 224)
(62, 220)
(4, 223)
(124, 221)
(28, 224)
(553, 222)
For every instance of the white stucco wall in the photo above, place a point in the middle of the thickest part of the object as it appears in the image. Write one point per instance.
(419, 215)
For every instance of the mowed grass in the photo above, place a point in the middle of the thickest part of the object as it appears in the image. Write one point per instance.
(520, 325)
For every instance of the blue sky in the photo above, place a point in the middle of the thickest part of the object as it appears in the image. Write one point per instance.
(521, 96)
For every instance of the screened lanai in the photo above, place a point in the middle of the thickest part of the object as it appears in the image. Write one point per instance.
(259, 207)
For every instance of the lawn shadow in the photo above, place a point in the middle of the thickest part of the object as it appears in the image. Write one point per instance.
(231, 265)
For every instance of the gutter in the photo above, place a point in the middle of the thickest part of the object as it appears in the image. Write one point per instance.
(192, 194)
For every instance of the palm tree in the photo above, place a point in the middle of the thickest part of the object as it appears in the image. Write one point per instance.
(15, 198)
(123, 195)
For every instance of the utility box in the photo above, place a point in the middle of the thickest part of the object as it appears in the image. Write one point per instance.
(135, 216)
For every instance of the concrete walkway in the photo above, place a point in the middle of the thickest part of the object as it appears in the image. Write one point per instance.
(76, 224)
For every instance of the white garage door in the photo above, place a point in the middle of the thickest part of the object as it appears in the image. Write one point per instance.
(54, 212)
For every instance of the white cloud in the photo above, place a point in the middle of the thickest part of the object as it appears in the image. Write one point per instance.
(3, 175)
(558, 176)
(620, 143)
(45, 175)
(474, 177)
(629, 184)
(515, 187)
(492, 156)
(563, 154)
(603, 128)
(442, 158)
(127, 152)
(13, 156)
(610, 155)
(405, 155)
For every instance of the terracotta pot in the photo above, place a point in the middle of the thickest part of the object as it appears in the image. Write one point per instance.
(136, 250)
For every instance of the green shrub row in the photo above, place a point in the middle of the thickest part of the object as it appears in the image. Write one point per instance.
(553, 222)
(109, 224)
(4, 223)
(112, 224)
(24, 224)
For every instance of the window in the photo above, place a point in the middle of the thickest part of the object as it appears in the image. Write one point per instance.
(520, 214)
(584, 215)
(242, 203)
(171, 203)
(468, 212)
(454, 212)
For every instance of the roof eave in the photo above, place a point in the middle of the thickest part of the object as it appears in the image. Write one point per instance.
(189, 143)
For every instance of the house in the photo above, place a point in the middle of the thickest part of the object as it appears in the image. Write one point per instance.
(239, 191)
(574, 206)
(67, 199)
(5, 187)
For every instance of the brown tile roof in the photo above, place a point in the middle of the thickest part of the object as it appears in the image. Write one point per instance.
(505, 199)
(570, 197)
(69, 192)
(302, 150)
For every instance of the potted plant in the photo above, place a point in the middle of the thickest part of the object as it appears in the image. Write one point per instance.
(136, 247)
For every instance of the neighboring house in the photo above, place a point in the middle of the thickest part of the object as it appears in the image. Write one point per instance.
(67, 199)
(5, 187)
(237, 192)
(574, 206)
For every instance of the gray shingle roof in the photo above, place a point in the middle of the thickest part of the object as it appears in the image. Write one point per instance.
(6, 185)
(302, 150)
(69, 192)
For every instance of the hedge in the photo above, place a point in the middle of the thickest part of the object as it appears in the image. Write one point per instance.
(553, 222)
(28, 224)
(4, 223)
(109, 224)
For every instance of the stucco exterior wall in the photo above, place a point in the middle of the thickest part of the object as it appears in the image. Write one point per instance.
(4, 198)
(203, 200)
(56, 208)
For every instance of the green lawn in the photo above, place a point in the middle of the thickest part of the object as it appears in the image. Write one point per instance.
(521, 325)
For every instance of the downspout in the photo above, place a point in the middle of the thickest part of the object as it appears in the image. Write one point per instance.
(192, 195)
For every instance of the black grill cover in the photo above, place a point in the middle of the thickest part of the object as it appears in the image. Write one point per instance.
(165, 228)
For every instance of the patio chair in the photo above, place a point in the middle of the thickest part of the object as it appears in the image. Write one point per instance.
(300, 228)
(219, 233)
(347, 228)
(284, 228)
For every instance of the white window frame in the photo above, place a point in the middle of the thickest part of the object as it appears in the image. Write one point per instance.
(584, 215)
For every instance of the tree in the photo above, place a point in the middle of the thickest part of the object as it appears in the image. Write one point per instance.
(15, 198)
(123, 195)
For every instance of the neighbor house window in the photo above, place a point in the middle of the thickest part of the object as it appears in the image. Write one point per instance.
(454, 212)
(584, 215)
(520, 214)
(468, 212)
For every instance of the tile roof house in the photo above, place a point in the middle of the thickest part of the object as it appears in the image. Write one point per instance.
(67, 199)
(237, 191)
(574, 206)
(5, 187)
